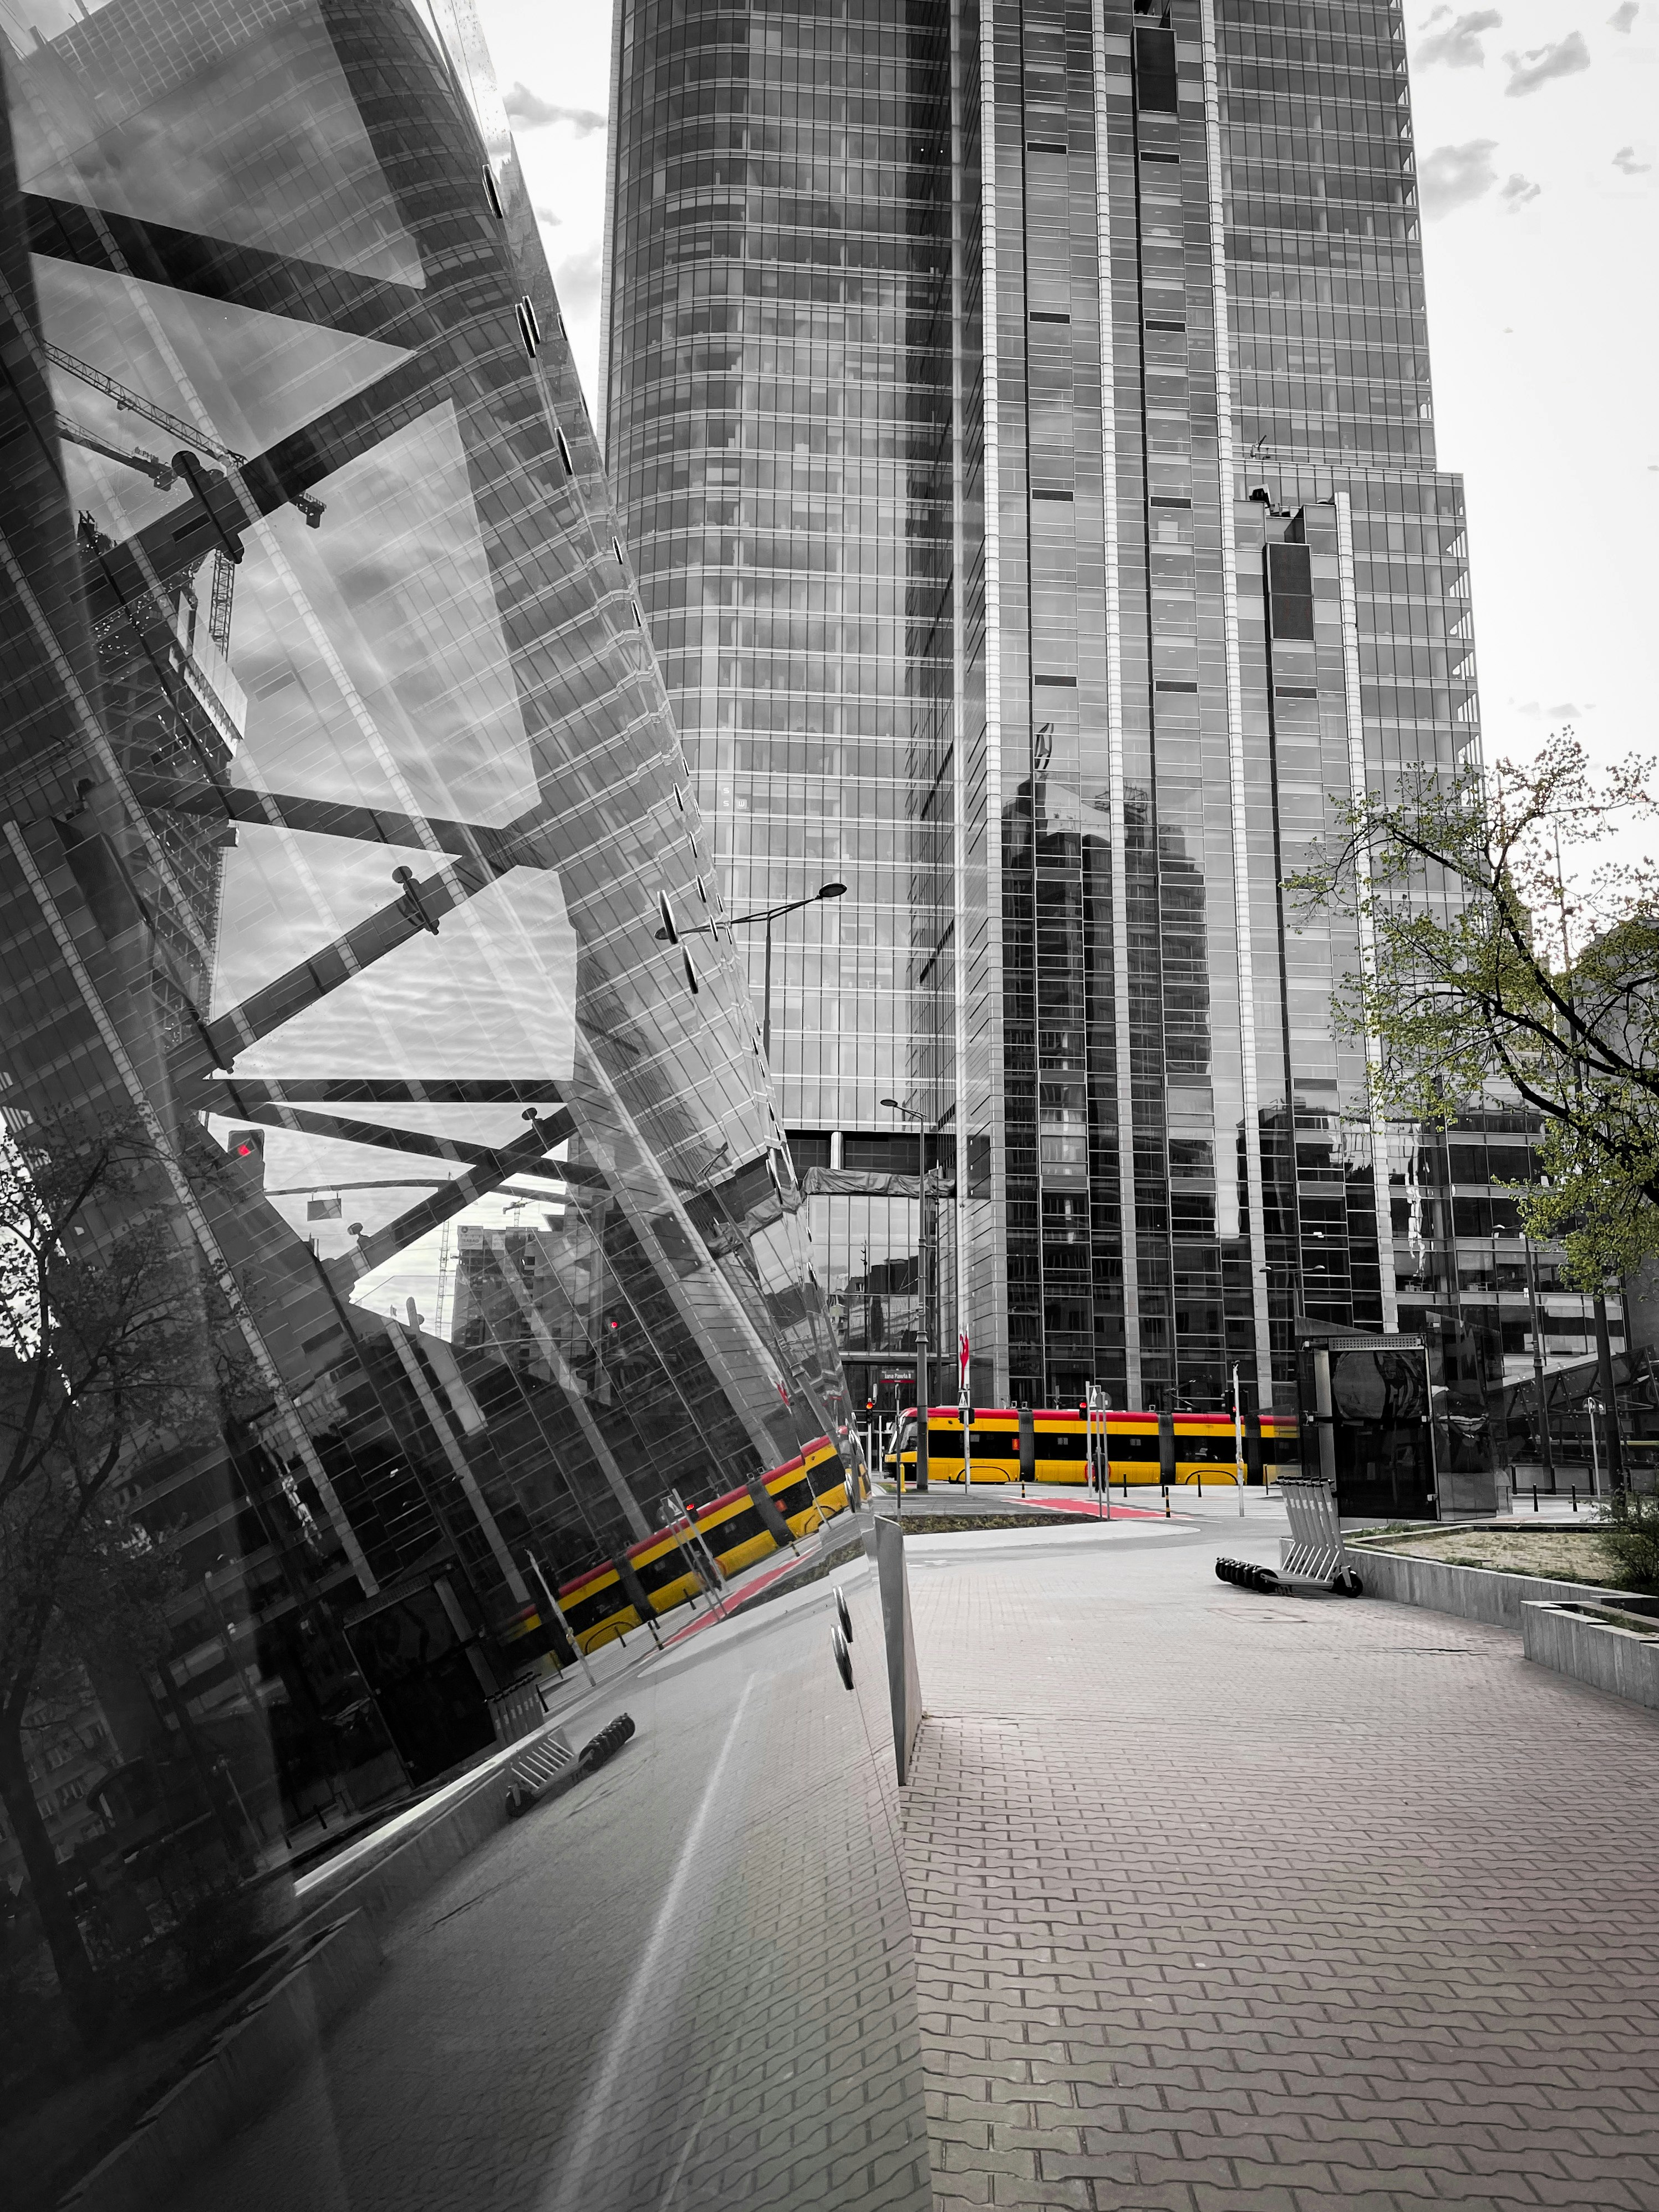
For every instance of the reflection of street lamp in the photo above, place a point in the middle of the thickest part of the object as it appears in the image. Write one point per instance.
(923, 1391)
(670, 935)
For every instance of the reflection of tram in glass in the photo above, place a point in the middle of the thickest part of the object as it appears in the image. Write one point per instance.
(1205, 1446)
(661, 1570)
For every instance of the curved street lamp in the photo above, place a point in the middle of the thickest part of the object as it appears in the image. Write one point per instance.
(670, 935)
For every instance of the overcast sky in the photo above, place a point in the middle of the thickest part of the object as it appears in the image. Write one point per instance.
(1538, 144)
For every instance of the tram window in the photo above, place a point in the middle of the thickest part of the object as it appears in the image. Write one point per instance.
(724, 1535)
(669, 1566)
(798, 1499)
(598, 1604)
(1206, 1447)
(1062, 1444)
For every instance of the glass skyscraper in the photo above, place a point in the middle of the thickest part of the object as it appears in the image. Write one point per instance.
(1021, 417)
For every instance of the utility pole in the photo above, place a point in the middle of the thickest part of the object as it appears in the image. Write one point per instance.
(1603, 1341)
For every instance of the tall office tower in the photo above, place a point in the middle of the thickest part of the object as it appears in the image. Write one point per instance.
(1120, 305)
(776, 371)
(343, 808)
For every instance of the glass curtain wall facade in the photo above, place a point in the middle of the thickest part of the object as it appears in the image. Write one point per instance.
(1208, 385)
(1180, 569)
(777, 373)
(1230, 588)
(343, 804)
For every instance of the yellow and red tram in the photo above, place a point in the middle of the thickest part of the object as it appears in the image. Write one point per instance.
(661, 1571)
(1205, 1446)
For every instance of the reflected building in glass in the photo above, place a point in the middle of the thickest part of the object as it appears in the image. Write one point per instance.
(1093, 339)
(343, 805)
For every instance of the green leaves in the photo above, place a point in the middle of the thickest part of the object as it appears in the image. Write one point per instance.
(1492, 970)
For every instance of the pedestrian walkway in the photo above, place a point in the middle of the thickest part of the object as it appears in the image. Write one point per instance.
(1228, 1904)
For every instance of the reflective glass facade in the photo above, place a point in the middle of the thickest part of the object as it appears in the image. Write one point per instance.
(414, 1230)
(343, 807)
(1182, 572)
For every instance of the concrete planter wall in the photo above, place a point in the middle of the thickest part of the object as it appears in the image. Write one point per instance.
(1471, 1593)
(1620, 1661)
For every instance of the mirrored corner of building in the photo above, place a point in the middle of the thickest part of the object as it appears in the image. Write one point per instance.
(412, 1323)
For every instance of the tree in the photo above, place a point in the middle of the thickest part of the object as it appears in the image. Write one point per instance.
(106, 1359)
(1489, 965)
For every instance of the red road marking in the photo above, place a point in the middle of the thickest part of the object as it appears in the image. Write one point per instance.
(711, 1618)
(1086, 1506)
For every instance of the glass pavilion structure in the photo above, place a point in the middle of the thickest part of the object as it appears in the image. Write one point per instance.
(343, 806)
(1020, 414)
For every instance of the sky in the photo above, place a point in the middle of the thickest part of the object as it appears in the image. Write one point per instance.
(1537, 133)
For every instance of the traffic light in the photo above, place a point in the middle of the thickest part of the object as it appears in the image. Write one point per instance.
(247, 1150)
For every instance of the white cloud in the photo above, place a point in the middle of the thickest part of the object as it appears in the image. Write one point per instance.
(1528, 71)
(1623, 15)
(576, 279)
(1453, 176)
(1626, 160)
(1459, 45)
(1518, 190)
(548, 220)
(529, 109)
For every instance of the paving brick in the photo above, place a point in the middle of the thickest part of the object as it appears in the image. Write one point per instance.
(1276, 1907)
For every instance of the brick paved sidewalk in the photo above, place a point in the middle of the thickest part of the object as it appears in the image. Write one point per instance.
(1235, 1905)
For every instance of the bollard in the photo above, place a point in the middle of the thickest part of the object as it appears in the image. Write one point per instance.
(1200, 1482)
(1166, 1505)
(1575, 1497)
(1534, 1497)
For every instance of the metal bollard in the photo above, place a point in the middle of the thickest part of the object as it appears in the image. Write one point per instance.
(1200, 1482)
(1166, 1503)
(1534, 1497)
(1575, 1497)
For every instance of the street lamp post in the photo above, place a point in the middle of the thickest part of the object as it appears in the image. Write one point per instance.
(923, 1390)
(767, 915)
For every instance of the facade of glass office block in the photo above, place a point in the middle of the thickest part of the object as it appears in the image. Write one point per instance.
(1182, 574)
(343, 804)
(777, 375)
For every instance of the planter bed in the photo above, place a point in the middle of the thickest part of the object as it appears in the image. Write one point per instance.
(1403, 1574)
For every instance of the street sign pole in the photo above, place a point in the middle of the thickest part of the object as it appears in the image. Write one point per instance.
(923, 1391)
(964, 1407)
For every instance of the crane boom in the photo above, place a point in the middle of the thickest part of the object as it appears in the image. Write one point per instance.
(146, 464)
(134, 402)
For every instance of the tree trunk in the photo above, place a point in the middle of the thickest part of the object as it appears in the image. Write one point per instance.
(47, 1892)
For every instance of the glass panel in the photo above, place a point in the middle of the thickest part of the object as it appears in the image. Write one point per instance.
(433, 1214)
